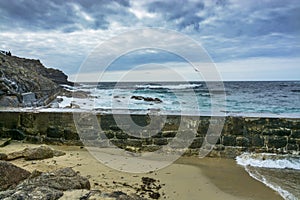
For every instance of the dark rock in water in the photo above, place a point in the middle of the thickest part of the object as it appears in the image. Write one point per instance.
(38, 153)
(11, 175)
(47, 185)
(149, 99)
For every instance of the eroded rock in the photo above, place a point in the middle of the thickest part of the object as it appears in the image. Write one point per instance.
(37, 153)
(11, 175)
(47, 185)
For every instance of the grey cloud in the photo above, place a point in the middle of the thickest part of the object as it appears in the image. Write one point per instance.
(181, 13)
(38, 15)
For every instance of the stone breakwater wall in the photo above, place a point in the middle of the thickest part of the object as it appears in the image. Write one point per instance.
(239, 134)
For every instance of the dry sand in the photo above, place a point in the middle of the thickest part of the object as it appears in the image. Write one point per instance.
(188, 178)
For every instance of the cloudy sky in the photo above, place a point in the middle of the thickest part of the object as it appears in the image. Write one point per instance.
(247, 40)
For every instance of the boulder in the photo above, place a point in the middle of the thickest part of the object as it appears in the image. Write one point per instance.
(11, 175)
(47, 185)
(38, 153)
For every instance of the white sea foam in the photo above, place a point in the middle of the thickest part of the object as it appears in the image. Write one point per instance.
(285, 194)
(269, 161)
(171, 87)
(273, 163)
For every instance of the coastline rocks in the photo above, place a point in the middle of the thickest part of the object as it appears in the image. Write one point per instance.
(11, 175)
(47, 185)
(38, 153)
(149, 99)
(27, 82)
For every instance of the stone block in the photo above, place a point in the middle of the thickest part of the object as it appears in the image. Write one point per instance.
(151, 148)
(147, 141)
(70, 135)
(292, 147)
(197, 143)
(54, 132)
(213, 139)
(242, 141)
(121, 135)
(257, 141)
(295, 134)
(169, 134)
(229, 140)
(109, 134)
(160, 141)
(134, 143)
(277, 142)
(277, 132)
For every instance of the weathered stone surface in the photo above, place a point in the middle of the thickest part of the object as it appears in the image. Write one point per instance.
(170, 134)
(11, 175)
(295, 134)
(277, 142)
(229, 140)
(48, 185)
(37, 153)
(197, 143)
(5, 142)
(292, 147)
(242, 141)
(250, 132)
(278, 132)
(70, 135)
(160, 141)
(30, 192)
(15, 155)
(3, 156)
(16, 134)
(53, 132)
(121, 135)
(9, 101)
(20, 76)
(257, 141)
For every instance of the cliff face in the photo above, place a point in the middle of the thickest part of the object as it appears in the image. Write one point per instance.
(26, 82)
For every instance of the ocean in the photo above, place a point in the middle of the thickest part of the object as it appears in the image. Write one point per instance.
(265, 98)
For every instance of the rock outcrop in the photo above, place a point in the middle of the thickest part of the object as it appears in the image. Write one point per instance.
(38, 153)
(11, 175)
(47, 185)
(26, 82)
(149, 99)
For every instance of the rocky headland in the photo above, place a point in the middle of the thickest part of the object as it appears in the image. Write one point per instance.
(27, 82)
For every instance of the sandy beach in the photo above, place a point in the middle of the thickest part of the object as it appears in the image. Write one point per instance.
(187, 178)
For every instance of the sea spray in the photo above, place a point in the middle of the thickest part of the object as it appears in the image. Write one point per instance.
(279, 172)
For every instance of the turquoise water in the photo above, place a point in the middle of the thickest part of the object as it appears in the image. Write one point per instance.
(250, 98)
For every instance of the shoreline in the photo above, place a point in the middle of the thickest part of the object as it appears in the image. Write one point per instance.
(104, 111)
(187, 178)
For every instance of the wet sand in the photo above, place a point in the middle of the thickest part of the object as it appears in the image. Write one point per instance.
(188, 178)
